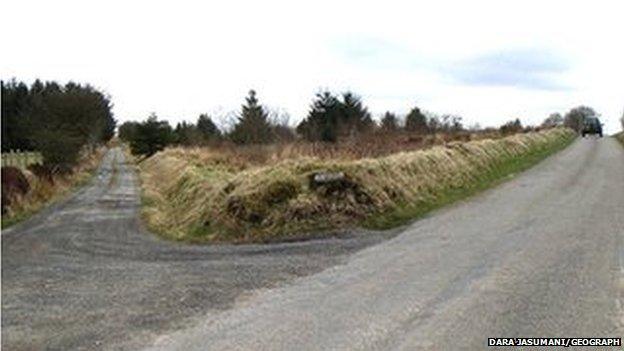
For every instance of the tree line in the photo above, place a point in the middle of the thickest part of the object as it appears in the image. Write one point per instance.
(331, 118)
(58, 121)
(61, 120)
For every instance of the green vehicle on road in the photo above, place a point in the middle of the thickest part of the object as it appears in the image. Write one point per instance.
(591, 125)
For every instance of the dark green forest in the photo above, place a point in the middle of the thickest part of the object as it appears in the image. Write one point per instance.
(59, 121)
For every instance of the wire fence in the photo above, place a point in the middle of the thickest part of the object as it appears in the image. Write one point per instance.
(20, 159)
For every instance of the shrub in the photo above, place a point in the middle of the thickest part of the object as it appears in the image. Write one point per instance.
(554, 120)
(511, 127)
(14, 184)
(150, 137)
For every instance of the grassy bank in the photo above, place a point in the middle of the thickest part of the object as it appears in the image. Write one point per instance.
(43, 193)
(192, 196)
(620, 137)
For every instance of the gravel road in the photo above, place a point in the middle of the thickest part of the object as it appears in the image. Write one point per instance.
(541, 255)
(84, 274)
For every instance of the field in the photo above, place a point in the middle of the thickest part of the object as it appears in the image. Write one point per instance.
(207, 194)
(20, 159)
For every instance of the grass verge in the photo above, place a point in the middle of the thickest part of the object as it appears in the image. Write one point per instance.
(620, 137)
(504, 172)
(191, 198)
(43, 193)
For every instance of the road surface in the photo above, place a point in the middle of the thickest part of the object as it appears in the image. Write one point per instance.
(84, 274)
(541, 255)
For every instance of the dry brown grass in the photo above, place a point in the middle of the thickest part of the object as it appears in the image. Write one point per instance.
(374, 145)
(620, 137)
(42, 192)
(207, 195)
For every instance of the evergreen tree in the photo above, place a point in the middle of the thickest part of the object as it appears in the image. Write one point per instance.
(151, 136)
(416, 121)
(15, 103)
(56, 120)
(186, 134)
(321, 122)
(253, 126)
(207, 129)
(354, 117)
(331, 118)
(389, 122)
(127, 131)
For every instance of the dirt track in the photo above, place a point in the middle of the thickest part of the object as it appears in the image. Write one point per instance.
(85, 275)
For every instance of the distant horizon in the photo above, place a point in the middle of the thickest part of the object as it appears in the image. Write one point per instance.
(485, 61)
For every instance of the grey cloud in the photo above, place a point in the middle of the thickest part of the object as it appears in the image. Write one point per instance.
(532, 69)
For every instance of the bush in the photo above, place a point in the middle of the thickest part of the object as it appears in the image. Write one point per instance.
(150, 136)
(554, 120)
(511, 127)
(14, 184)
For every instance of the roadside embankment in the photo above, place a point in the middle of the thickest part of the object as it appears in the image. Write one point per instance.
(190, 197)
(27, 190)
(620, 137)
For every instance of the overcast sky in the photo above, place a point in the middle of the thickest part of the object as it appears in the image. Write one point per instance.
(488, 61)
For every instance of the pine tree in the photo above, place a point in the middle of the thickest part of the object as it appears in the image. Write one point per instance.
(151, 136)
(331, 118)
(321, 123)
(354, 116)
(253, 126)
(416, 121)
(186, 134)
(389, 122)
(207, 129)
